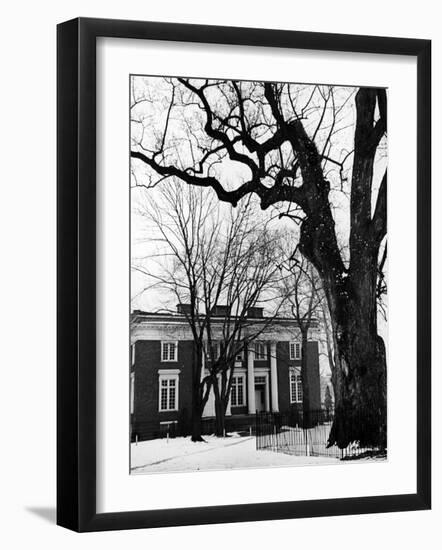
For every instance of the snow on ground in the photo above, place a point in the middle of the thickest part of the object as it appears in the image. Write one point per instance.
(182, 455)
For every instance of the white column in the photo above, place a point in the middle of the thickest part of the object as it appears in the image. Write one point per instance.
(274, 377)
(250, 380)
(228, 409)
(267, 395)
(203, 364)
(209, 408)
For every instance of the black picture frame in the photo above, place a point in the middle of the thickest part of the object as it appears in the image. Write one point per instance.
(76, 274)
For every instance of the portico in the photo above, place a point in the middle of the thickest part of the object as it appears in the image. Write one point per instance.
(262, 382)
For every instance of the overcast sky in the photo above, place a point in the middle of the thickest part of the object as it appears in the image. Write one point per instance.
(151, 99)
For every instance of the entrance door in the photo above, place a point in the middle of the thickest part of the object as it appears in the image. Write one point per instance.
(260, 397)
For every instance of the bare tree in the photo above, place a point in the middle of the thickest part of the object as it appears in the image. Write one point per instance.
(305, 298)
(217, 265)
(282, 139)
(179, 227)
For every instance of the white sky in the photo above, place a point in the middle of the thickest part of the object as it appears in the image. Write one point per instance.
(153, 95)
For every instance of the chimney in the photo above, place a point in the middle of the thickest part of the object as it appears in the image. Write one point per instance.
(220, 311)
(255, 312)
(183, 309)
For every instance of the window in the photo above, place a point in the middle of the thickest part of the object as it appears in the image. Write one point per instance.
(239, 356)
(215, 348)
(169, 351)
(168, 392)
(132, 392)
(237, 391)
(295, 386)
(295, 350)
(260, 351)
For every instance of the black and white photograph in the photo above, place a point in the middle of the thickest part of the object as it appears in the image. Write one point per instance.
(220, 315)
(258, 274)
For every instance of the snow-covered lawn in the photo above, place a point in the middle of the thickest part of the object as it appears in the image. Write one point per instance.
(182, 455)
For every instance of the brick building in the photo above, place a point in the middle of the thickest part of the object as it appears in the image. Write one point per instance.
(267, 373)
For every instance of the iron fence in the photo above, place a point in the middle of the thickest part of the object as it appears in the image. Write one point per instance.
(302, 434)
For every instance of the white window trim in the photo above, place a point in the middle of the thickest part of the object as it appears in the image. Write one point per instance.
(297, 372)
(165, 374)
(295, 356)
(260, 343)
(175, 359)
(243, 378)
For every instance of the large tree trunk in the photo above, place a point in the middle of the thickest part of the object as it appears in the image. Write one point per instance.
(220, 419)
(359, 377)
(360, 361)
(360, 405)
(196, 418)
(360, 373)
(220, 410)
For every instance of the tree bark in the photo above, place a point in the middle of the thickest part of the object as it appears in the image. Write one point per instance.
(360, 360)
(360, 407)
(196, 420)
(220, 420)
(359, 377)
(220, 410)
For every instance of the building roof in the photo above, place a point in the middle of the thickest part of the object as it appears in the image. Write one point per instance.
(150, 325)
(138, 313)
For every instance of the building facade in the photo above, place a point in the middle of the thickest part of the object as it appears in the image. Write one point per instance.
(266, 375)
